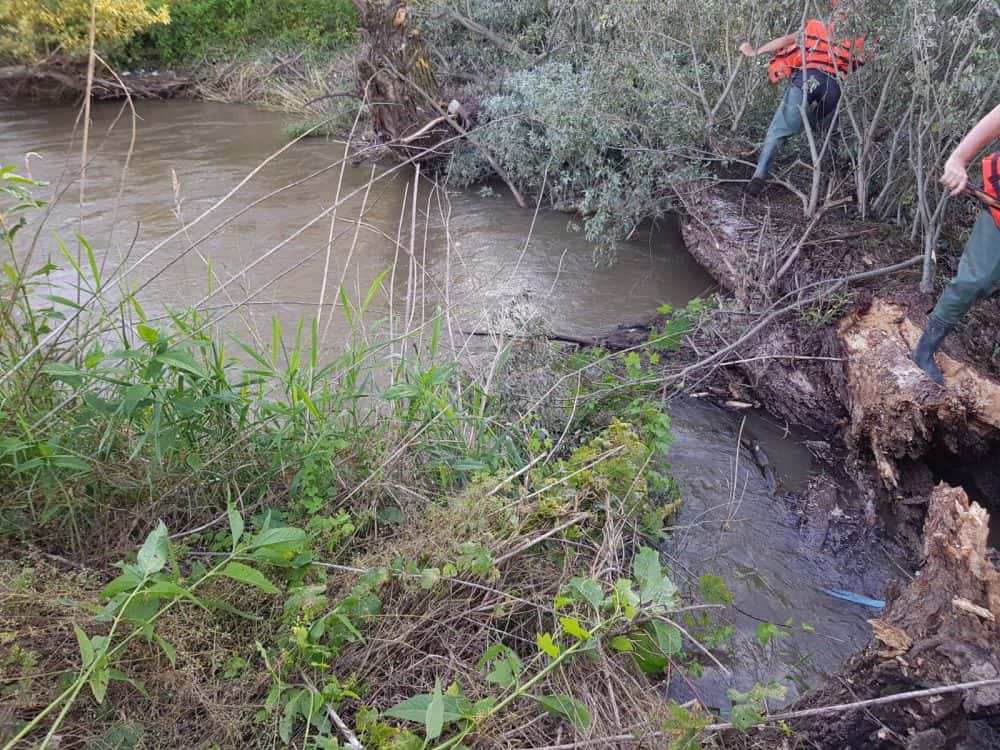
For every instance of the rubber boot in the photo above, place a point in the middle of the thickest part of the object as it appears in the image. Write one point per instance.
(929, 343)
(756, 186)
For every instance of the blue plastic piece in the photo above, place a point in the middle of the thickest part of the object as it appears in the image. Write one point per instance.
(847, 596)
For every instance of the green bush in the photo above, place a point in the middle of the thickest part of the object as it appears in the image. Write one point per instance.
(32, 30)
(606, 107)
(221, 28)
(600, 138)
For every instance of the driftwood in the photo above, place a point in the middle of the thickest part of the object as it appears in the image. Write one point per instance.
(899, 413)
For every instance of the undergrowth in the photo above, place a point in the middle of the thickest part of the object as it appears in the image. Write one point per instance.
(212, 543)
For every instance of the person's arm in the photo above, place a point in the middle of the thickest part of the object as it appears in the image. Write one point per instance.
(775, 45)
(954, 177)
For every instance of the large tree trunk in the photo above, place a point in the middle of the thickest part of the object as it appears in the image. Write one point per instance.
(395, 75)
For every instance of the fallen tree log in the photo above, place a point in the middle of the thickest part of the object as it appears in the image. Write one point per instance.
(942, 629)
(896, 410)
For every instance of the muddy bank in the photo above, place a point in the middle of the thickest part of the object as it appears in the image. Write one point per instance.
(839, 365)
(62, 82)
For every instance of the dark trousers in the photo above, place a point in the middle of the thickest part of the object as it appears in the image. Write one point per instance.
(821, 93)
(978, 272)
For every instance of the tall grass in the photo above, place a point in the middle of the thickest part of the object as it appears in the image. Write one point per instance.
(380, 485)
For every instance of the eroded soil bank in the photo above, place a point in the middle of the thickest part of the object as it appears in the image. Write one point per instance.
(840, 312)
(820, 323)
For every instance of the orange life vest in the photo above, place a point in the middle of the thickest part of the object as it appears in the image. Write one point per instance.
(991, 181)
(821, 53)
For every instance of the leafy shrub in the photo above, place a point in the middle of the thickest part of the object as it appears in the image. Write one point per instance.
(30, 30)
(605, 107)
(597, 137)
(220, 28)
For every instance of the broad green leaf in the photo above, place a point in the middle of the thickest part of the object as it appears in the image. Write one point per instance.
(148, 334)
(245, 574)
(546, 644)
(429, 577)
(124, 582)
(626, 597)
(98, 682)
(745, 716)
(565, 707)
(621, 643)
(168, 589)
(655, 644)
(235, 524)
(589, 590)
(415, 709)
(434, 720)
(179, 360)
(153, 554)
(134, 395)
(503, 674)
(66, 373)
(573, 627)
(654, 587)
(86, 647)
(272, 537)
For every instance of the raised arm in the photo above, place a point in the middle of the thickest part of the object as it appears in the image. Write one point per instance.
(986, 130)
(775, 45)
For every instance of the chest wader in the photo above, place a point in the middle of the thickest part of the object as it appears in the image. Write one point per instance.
(978, 276)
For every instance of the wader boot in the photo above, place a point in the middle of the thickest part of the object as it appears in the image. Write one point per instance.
(818, 95)
(929, 343)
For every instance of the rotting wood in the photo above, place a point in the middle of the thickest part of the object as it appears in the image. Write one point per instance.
(896, 410)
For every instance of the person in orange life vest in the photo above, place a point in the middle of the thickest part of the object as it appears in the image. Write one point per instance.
(814, 60)
(979, 269)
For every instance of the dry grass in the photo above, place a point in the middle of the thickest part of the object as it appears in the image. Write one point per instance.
(286, 84)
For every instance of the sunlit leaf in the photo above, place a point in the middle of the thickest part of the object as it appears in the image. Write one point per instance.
(546, 644)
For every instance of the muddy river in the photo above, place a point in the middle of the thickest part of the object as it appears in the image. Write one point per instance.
(491, 265)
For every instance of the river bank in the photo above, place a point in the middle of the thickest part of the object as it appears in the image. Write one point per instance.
(70, 521)
(893, 450)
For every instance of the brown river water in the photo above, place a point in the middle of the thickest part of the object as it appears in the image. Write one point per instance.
(490, 263)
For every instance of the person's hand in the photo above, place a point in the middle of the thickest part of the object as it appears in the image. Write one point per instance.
(748, 49)
(954, 177)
